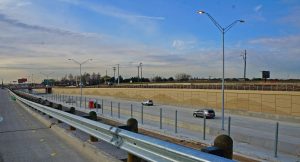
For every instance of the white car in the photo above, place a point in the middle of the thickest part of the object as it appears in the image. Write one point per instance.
(148, 103)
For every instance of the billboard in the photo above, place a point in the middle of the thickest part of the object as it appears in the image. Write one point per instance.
(22, 80)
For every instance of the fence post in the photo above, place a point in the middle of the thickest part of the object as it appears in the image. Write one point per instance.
(142, 114)
(102, 106)
(175, 121)
(131, 110)
(84, 102)
(111, 110)
(96, 105)
(229, 125)
(204, 126)
(160, 118)
(276, 140)
(119, 110)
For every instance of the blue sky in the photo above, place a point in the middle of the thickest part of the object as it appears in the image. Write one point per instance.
(167, 36)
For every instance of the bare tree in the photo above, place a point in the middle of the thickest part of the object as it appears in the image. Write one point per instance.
(182, 77)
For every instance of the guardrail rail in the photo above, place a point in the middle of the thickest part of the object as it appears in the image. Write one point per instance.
(145, 147)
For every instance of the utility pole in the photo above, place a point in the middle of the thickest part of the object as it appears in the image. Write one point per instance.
(141, 66)
(244, 55)
(114, 68)
(118, 74)
(138, 77)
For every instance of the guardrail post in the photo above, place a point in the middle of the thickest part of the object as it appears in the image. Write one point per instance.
(229, 125)
(204, 126)
(160, 118)
(175, 121)
(131, 110)
(59, 107)
(225, 143)
(276, 140)
(142, 114)
(72, 111)
(93, 116)
(119, 110)
(132, 125)
(111, 109)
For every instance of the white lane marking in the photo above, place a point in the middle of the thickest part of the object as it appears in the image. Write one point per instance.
(1, 119)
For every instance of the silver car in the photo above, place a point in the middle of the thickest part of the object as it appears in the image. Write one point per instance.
(209, 113)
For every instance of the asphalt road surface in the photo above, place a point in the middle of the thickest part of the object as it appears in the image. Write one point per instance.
(24, 138)
(249, 133)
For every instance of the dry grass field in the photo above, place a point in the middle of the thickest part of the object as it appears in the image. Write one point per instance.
(274, 102)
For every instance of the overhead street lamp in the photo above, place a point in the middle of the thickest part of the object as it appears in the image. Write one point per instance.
(80, 64)
(223, 31)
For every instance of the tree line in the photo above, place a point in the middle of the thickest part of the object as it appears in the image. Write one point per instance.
(96, 79)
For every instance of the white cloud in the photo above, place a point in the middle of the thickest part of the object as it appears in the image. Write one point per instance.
(258, 8)
(183, 45)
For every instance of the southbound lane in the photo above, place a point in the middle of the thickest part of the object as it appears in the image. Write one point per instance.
(24, 138)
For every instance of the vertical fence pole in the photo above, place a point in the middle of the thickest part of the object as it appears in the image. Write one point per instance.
(84, 102)
(142, 114)
(111, 110)
(175, 121)
(204, 126)
(160, 118)
(72, 102)
(131, 110)
(76, 98)
(276, 140)
(96, 104)
(119, 110)
(102, 106)
(229, 125)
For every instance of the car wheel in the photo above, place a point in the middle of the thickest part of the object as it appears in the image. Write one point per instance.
(195, 115)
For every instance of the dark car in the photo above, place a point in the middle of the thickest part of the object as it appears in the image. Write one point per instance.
(209, 113)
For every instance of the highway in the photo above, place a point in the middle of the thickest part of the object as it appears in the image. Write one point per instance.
(250, 134)
(24, 138)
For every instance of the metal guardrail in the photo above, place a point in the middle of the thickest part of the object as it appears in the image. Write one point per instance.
(148, 148)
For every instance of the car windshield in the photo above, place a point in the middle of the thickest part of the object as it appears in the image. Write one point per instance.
(210, 111)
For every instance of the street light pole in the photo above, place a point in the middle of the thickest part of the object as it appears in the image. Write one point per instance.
(138, 77)
(118, 74)
(114, 68)
(223, 31)
(141, 66)
(80, 64)
(244, 55)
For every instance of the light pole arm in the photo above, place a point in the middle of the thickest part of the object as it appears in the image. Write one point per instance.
(85, 61)
(75, 61)
(231, 25)
(215, 22)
